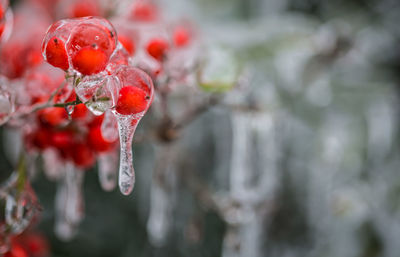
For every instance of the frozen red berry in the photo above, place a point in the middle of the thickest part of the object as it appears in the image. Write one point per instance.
(80, 112)
(16, 251)
(132, 100)
(127, 43)
(82, 155)
(92, 33)
(61, 139)
(157, 48)
(96, 140)
(181, 37)
(144, 11)
(56, 54)
(85, 8)
(89, 60)
(53, 116)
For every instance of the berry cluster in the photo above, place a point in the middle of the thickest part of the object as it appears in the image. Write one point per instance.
(78, 139)
(76, 88)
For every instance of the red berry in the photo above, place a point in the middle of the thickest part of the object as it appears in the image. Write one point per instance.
(1, 11)
(132, 100)
(96, 140)
(90, 60)
(2, 27)
(82, 155)
(85, 8)
(80, 112)
(61, 139)
(16, 251)
(127, 43)
(56, 54)
(157, 48)
(41, 138)
(36, 245)
(97, 121)
(53, 116)
(181, 37)
(144, 11)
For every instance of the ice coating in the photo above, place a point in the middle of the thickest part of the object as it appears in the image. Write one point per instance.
(107, 170)
(73, 44)
(6, 101)
(133, 77)
(20, 209)
(95, 93)
(6, 21)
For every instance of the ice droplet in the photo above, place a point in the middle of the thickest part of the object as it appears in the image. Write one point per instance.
(107, 170)
(69, 203)
(126, 127)
(70, 109)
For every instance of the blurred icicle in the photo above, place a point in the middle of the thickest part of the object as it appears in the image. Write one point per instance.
(21, 207)
(69, 203)
(163, 196)
(53, 165)
(108, 166)
(253, 180)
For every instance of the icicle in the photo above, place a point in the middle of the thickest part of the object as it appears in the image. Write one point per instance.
(159, 218)
(126, 128)
(53, 166)
(163, 194)
(108, 170)
(20, 209)
(109, 127)
(69, 203)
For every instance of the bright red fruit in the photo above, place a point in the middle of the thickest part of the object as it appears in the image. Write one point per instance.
(80, 112)
(128, 44)
(53, 116)
(181, 37)
(89, 60)
(61, 139)
(144, 11)
(16, 251)
(1, 11)
(82, 155)
(157, 48)
(35, 244)
(56, 54)
(132, 100)
(41, 138)
(85, 8)
(2, 27)
(97, 121)
(96, 141)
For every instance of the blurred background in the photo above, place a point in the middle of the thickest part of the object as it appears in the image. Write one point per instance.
(301, 160)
